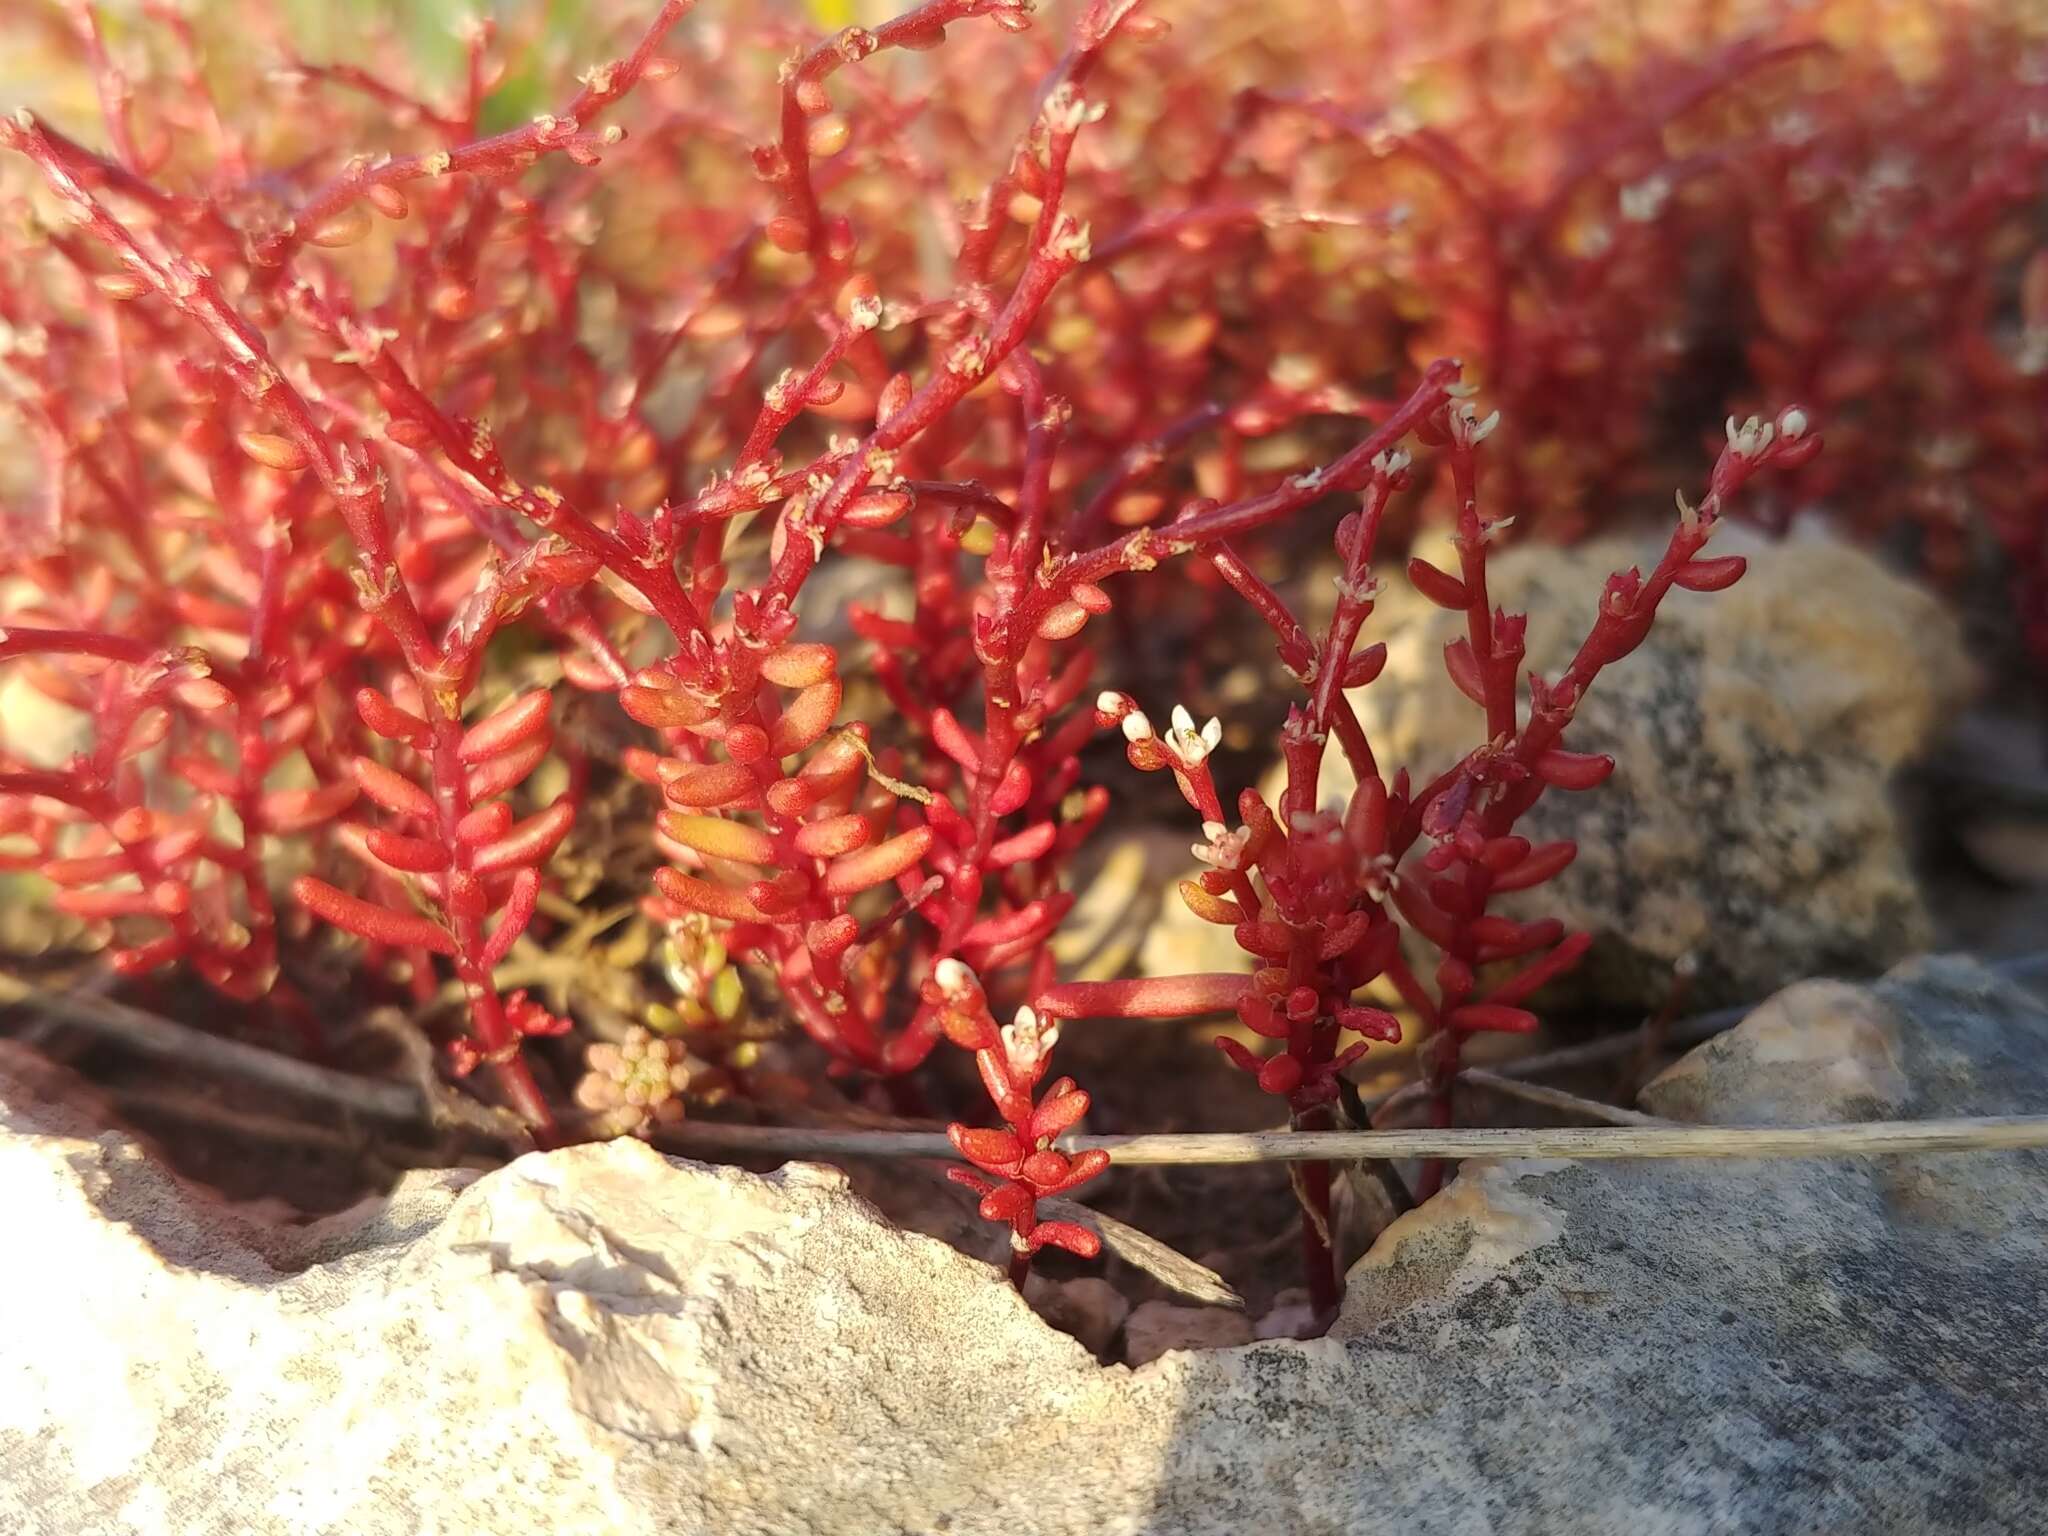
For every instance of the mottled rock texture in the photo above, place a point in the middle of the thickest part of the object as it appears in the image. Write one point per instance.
(602, 1341)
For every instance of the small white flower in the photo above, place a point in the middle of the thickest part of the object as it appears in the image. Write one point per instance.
(1026, 1042)
(1645, 199)
(864, 313)
(1109, 701)
(1468, 429)
(1069, 240)
(1751, 438)
(1190, 745)
(1363, 590)
(1224, 849)
(1065, 110)
(955, 978)
(1299, 729)
(1136, 727)
(1390, 463)
(1792, 425)
(969, 357)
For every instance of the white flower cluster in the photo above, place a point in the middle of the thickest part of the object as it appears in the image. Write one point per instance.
(1188, 743)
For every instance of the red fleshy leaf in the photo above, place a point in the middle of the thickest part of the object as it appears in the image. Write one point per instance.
(1007, 1202)
(1574, 770)
(1044, 1169)
(998, 1151)
(1240, 1058)
(1439, 586)
(1497, 1018)
(1056, 1114)
(1069, 1235)
(1373, 1023)
(1082, 1167)
(1259, 1017)
(1280, 1075)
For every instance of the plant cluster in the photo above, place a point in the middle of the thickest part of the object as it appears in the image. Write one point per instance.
(1319, 896)
(433, 536)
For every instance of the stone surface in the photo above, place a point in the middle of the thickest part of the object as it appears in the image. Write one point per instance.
(1158, 1327)
(1128, 908)
(602, 1341)
(1749, 822)
(1291, 1316)
(1089, 1308)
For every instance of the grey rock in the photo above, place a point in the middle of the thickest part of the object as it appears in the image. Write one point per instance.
(601, 1340)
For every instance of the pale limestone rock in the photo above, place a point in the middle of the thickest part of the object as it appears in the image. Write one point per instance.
(1127, 912)
(604, 1341)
